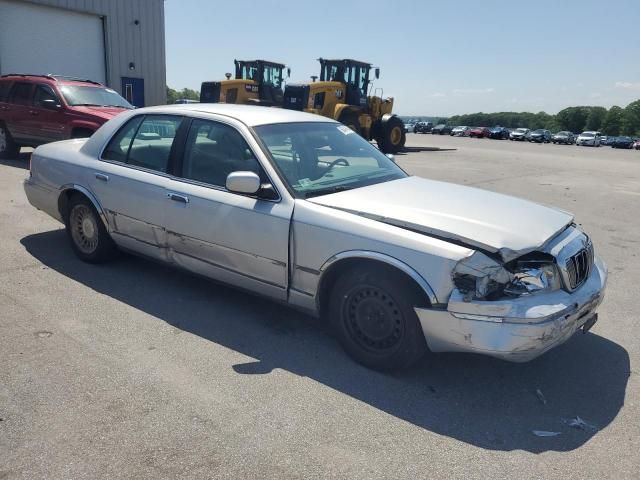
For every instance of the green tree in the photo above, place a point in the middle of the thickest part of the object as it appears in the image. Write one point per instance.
(573, 119)
(173, 95)
(631, 119)
(612, 123)
(595, 118)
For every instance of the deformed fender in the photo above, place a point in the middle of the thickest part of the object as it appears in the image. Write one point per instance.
(394, 262)
(90, 196)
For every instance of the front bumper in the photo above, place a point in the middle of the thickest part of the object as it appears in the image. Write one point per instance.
(518, 329)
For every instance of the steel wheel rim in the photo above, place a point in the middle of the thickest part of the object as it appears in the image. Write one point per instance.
(396, 135)
(84, 229)
(3, 140)
(373, 319)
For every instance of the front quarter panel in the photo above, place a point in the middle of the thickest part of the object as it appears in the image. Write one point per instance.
(319, 234)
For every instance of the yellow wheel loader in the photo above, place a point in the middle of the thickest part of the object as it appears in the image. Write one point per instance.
(344, 94)
(257, 82)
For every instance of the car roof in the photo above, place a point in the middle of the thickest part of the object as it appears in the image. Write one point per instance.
(248, 114)
(50, 79)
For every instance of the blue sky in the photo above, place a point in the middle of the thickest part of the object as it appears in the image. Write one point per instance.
(436, 57)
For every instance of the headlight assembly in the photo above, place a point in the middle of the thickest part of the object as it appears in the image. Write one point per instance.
(534, 277)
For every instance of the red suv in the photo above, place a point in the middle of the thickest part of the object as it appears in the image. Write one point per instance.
(37, 109)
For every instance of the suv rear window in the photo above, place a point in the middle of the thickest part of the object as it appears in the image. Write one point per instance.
(21, 93)
(4, 89)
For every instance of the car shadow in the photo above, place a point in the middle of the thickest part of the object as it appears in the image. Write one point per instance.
(478, 400)
(21, 162)
(406, 150)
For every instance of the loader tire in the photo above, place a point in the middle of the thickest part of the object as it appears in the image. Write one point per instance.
(392, 137)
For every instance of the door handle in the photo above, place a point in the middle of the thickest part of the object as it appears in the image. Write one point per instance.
(102, 176)
(178, 198)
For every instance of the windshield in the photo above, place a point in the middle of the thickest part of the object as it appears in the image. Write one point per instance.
(321, 158)
(562, 134)
(93, 96)
(521, 130)
(587, 134)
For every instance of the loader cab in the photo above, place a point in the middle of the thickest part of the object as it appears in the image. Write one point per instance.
(268, 77)
(354, 74)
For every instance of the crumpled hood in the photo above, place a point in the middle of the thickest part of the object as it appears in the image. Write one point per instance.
(480, 219)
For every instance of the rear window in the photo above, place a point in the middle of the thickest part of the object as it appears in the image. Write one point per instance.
(4, 90)
(21, 93)
(144, 142)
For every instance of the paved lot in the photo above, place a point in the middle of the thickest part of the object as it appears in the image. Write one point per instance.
(134, 370)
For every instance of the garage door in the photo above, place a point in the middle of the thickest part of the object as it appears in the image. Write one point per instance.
(40, 40)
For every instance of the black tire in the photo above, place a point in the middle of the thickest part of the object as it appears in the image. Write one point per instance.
(350, 119)
(89, 238)
(392, 339)
(392, 137)
(8, 148)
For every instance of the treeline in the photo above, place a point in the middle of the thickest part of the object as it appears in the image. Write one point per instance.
(614, 121)
(173, 95)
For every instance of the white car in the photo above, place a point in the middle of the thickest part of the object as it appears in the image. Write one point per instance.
(591, 139)
(520, 134)
(299, 208)
(460, 131)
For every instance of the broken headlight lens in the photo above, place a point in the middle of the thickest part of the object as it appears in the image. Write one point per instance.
(534, 277)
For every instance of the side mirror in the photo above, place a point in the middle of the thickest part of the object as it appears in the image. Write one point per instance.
(50, 104)
(288, 72)
(243, 182)
(377, 72)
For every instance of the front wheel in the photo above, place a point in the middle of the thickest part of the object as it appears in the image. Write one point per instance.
(372, 313)
(89, 237)
(392, 137)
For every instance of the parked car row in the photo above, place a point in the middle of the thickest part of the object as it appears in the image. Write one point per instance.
(541, 135)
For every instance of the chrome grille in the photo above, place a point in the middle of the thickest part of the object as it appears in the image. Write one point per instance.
(579, 266)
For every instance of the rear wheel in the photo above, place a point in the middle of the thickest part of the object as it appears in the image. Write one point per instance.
(392, 137)
(372, 313)
(8, 148)
(89, 237)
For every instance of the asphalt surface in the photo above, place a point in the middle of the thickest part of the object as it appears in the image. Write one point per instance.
(136, 370)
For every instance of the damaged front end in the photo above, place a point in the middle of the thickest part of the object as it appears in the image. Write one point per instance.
(519, 309)
(480, 277)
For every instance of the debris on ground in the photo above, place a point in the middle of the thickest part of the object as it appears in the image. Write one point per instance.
(544, 433)
(540, 396)
(579, 423)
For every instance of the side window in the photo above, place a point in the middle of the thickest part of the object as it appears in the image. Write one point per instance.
(151, 146)
(4, 90)
(44, 92)
(118, 147)
(21, 93)
(213, 151)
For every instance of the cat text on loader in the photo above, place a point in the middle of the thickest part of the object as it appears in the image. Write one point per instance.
(257, 82)
(343, 93)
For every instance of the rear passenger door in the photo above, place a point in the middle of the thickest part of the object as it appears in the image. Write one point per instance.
(239, 239)
(18, 114)
(131, 182)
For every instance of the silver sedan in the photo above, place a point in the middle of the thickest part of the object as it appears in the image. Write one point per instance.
(299, 208)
